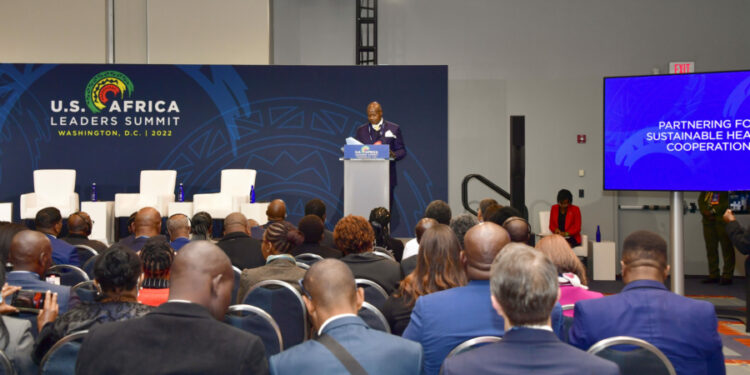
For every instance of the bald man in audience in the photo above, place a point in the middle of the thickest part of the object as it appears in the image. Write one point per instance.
(185, 335)
(524, 291)
(442, 320)
(31, 255)
(332, 301)
(147, 224)
(79, 230)
(518, 229)
(684, 329)
(243, 251)
(276, 211)
(178, 228)
(412, 246)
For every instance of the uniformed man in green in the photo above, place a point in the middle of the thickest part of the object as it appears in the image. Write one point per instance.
(712, 205)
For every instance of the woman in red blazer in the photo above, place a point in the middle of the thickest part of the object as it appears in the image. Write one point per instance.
(565, 218)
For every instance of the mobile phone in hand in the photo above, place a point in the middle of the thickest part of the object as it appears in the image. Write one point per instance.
(28, 300)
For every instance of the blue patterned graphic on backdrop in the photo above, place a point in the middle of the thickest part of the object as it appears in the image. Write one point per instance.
(294, 145)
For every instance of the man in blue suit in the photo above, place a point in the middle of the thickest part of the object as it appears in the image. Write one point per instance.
(378, 131)
(524, 291)
(49, 221)
(683, 328)
(332, 300)
(31, 255)
(441, 321)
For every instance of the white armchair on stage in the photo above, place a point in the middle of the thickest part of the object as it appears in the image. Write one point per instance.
(157, 190)
(52, 188)
(235, 190)
(581, 250)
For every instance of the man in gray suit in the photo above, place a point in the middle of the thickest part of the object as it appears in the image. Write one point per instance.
(332, 300)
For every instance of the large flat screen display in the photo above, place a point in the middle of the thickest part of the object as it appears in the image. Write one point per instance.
(688, 132)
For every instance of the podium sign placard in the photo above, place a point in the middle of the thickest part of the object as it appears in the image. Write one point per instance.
(367, 152)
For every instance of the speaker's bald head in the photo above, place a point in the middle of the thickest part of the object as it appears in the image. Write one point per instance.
(482, 243)
(331, 285)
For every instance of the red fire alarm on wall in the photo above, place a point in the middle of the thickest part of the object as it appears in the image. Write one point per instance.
(581, 138)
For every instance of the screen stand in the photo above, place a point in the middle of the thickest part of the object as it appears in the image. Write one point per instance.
(676, 246)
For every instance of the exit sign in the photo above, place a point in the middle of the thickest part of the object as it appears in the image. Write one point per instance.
(681, 67)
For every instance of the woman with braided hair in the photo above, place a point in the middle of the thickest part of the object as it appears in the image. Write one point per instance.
(279, 239)
(156, 257)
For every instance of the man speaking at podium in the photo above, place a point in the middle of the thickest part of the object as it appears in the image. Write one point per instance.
(381, 132)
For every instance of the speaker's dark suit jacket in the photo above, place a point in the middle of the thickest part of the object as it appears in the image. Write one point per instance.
(242, 250)
(176, 338)
(389, 134)
(377, 352)
(528, 351)
(683, 328)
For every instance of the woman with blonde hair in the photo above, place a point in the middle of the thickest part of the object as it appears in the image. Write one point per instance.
(571, 273)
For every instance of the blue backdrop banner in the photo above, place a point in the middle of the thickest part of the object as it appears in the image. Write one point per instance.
(288, 123)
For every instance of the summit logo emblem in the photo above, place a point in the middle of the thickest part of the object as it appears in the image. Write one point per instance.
(104, 87)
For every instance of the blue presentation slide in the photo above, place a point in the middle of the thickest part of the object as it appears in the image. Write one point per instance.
(686, 132)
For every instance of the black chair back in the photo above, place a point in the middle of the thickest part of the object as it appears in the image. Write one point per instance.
(634, 356)
(284, 303)
(85, 253)
(258, 322)
(373, 317)
(88, 267)
(61, 358)
(87, 291)
(374, 293)
(308, 258)
(237, 275)
(69, 275)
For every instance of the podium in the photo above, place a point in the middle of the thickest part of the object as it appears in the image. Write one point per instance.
(366, 178)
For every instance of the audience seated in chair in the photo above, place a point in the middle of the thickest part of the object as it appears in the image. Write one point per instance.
(178, 229)
(354, 236)
(49, 222)
(201, 227)
(409, 261)
(483, 205)
(312, 229)
(183, 336)
(278, 240)
(147, 224)
(243, 251)
(380, 219)
(117, 273)
(156, 258)
(571, 272)
(437, 210)
(276, 212)
(461, 224)
(79, 230)
(524, 291)
(518, 229)
(332, 302)
(16, 337)
(442, 320)
(31, 255)
(684, 329)
(7, 231)
(438, 268)
(318, 208)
